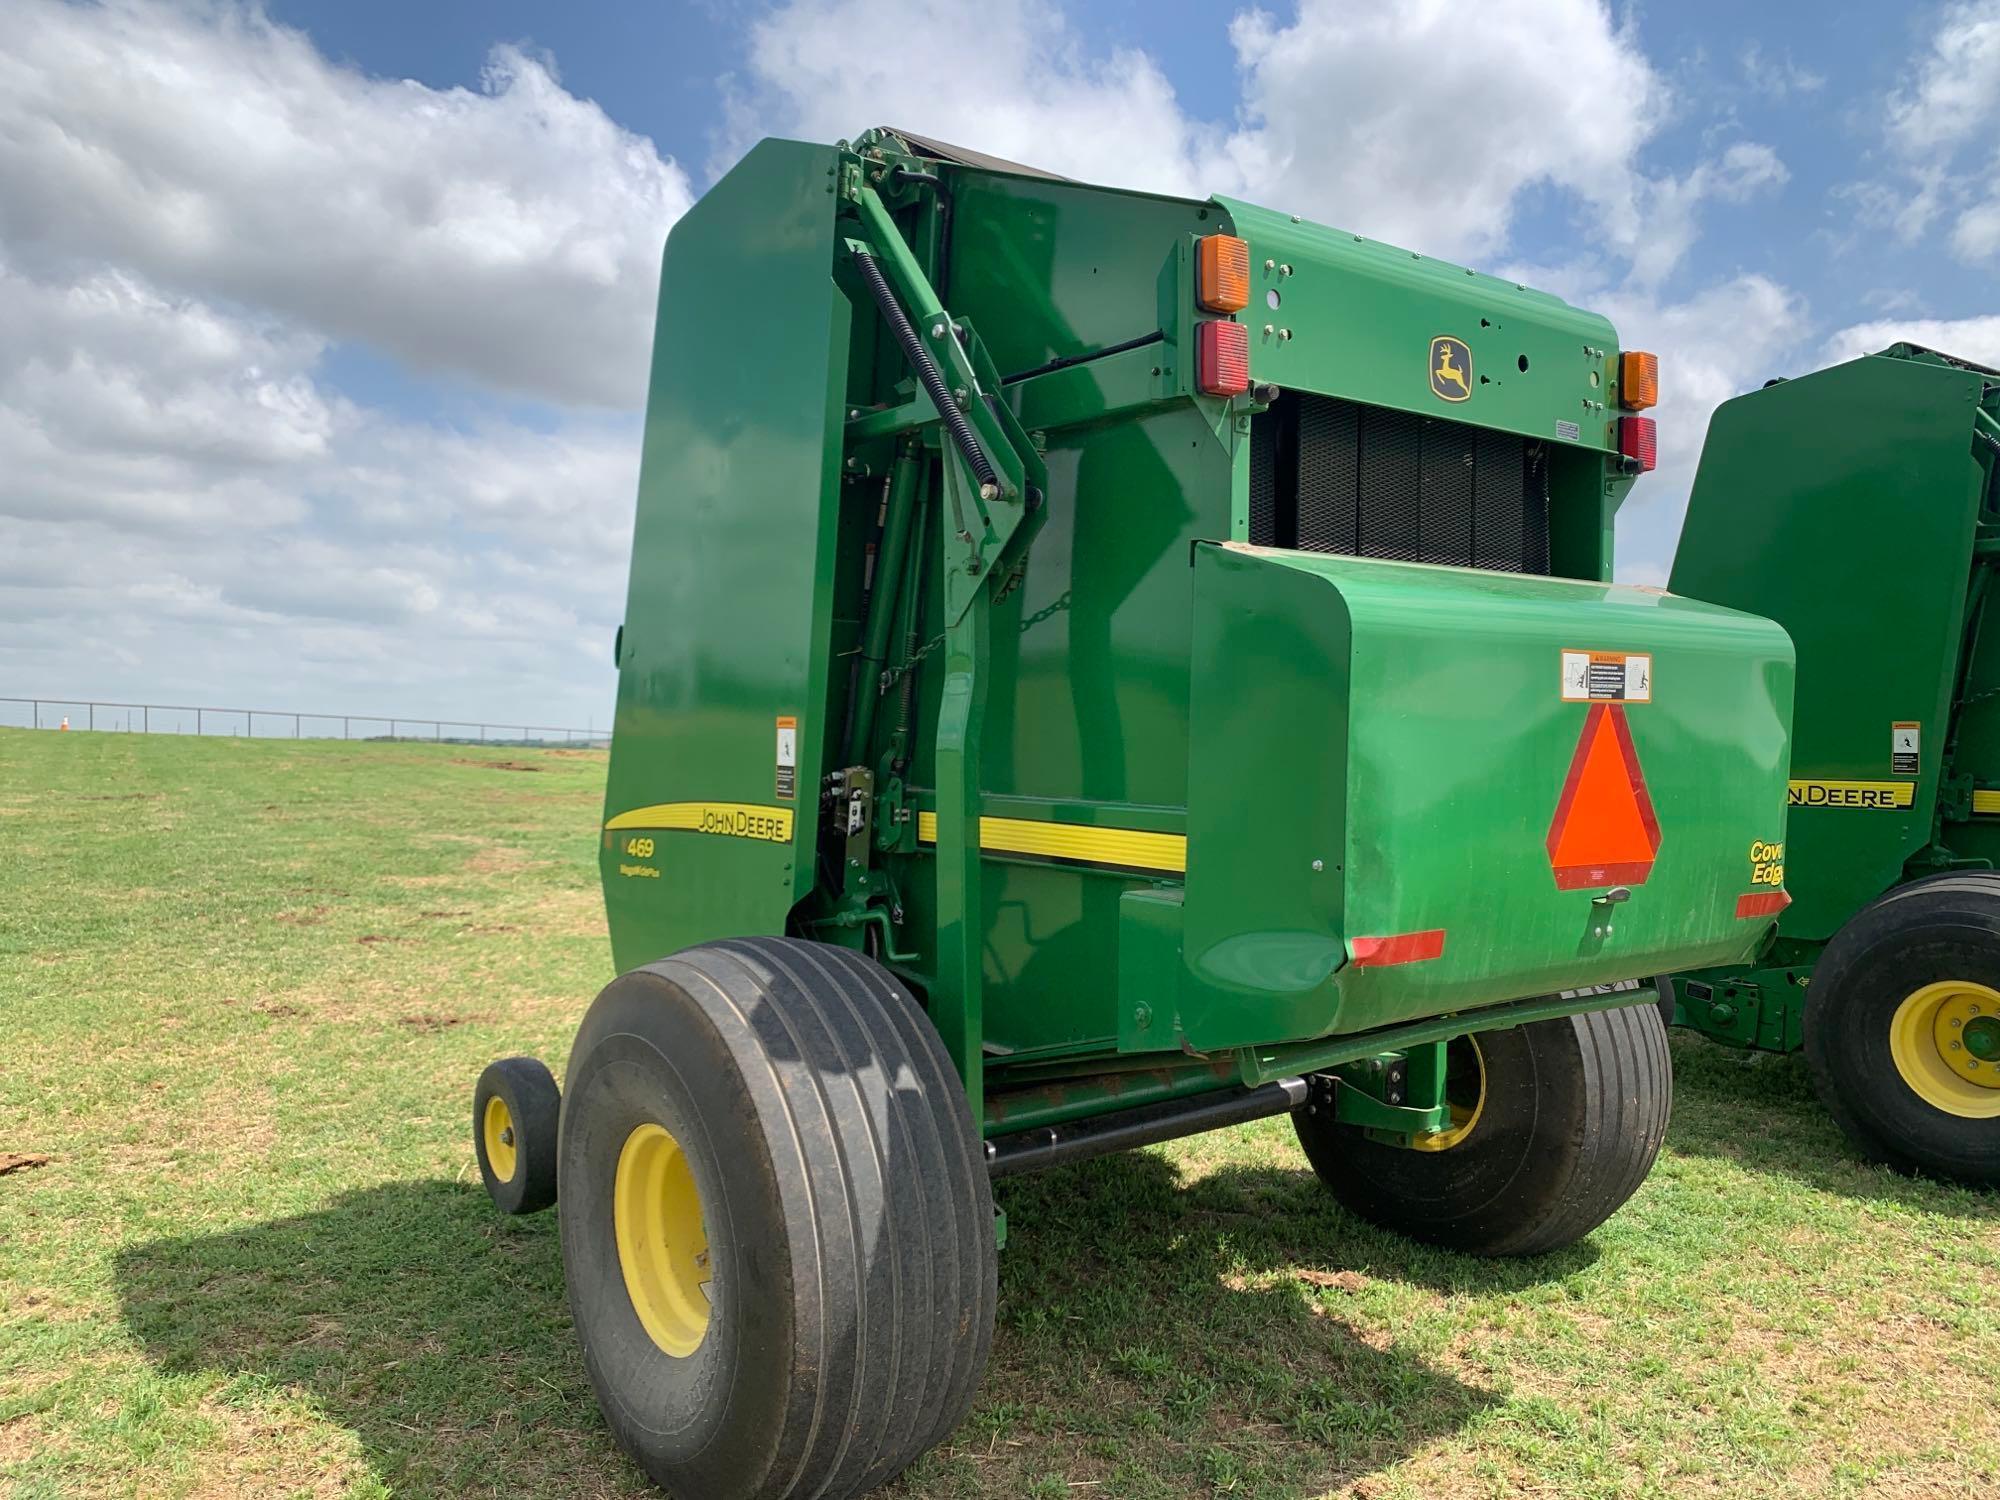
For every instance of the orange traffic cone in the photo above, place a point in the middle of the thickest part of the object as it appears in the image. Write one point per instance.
(65, 722)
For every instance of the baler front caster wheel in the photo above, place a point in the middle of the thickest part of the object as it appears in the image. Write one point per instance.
(776, 1222)
(1563, 1125)
(515, 1108)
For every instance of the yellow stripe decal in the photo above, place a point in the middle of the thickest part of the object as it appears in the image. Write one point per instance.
(1986, 803)
(1851, 793)
(741, 820)
(1132, 848)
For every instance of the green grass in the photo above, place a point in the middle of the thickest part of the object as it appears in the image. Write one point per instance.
(245, 987)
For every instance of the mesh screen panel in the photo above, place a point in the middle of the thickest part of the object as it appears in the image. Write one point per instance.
(1334, 476)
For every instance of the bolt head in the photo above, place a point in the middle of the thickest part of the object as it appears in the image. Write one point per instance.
(507, 1136)
(1958, 1046)
(1319, 864)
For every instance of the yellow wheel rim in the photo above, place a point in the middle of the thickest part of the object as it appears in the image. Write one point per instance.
(1945, 1039)
(662, 1242)
(1467, 1104)
(496, 1125)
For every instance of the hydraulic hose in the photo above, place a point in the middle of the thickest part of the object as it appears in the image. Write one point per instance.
(931, 376)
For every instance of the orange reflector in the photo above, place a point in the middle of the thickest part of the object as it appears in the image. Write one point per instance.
(1403, 948)
(1604, 831)
(1222, 358)
(1638, 380)
(1222, 279)
(1761, 904)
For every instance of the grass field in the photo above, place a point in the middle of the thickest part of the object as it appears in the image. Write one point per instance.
(245, 987)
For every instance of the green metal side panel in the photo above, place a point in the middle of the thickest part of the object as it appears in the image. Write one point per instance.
(1380, 748)
(1842, 505)
(1361, 316)
(727, 620)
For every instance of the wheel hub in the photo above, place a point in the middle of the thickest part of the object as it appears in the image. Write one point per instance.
(1945, 1039)
(1465, 1093)
(497, 1125)
(662, 1240)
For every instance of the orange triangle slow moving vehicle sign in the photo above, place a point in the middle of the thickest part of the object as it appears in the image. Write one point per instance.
(1604, 831)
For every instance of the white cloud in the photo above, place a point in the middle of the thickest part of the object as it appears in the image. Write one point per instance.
(1724, 340)
(1956, 91)
(1744, 170)
(1940, 123)
(1420, 123)
(1975, 339)
(1778, 77)
(196, 209)
(511, 235)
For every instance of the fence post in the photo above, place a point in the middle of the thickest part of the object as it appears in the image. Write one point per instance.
(38, 711)
(90, 715)
(437, 733)
(295, 726)
(145, 718)
(197, 722)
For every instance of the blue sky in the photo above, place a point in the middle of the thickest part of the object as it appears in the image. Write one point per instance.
(323, 326)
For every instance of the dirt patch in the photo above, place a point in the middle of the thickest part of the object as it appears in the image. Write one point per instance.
(444, 913)
(378, 937)
(119, 796)
(424, 1021)
(497, 765)
(309, 916)
(1346, 1281)
(496, 859)
(277, 1010)
(20, 1161)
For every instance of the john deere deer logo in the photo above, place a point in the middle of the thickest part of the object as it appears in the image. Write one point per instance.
(1451, 368)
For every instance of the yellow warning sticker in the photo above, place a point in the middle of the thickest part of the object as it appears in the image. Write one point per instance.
(1851, 793)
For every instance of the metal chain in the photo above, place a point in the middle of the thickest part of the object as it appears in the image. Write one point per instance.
(1048, 611)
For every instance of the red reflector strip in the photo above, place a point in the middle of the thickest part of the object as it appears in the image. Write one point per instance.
(1761, 904)
(1590, 877)
(1639, 440)
(1403, 948)
(1222, 365)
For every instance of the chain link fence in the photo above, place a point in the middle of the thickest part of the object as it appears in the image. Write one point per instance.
(265, 723)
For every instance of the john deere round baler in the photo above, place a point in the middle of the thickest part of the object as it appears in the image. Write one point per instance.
(1099, 667)
(1859, 507)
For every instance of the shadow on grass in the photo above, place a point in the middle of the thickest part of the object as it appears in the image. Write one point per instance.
(437, 1333)
(1758, 1110)
(1133, 1303)
(410, 1314)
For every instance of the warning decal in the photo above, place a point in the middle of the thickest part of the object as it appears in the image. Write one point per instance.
(1607, 676)
(788, 757)
(1904, 756)
(1604, 831)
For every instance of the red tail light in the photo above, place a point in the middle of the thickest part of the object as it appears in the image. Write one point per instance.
(1638, 440)
(1222, 364)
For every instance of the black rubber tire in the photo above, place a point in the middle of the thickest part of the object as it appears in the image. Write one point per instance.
(1942, 927)
(1574, 1114)
(845, 1198)
(528, 1089)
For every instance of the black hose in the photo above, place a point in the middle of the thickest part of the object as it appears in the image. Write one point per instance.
(929, 373)
(1065, 361)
